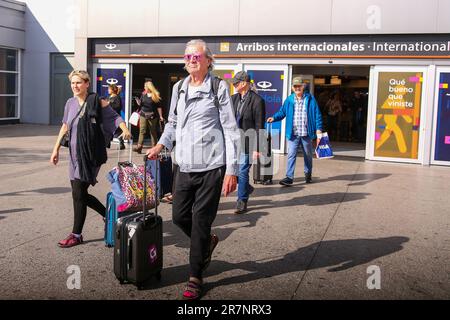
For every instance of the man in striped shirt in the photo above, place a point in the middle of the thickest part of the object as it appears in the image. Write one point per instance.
(303, 123)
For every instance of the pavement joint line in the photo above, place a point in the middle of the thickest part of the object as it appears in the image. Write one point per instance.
(324, 234)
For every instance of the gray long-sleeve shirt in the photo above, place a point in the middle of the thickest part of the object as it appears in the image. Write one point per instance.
(206, 136)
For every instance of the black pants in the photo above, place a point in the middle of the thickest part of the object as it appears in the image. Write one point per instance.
(195, 203)
(81, 200)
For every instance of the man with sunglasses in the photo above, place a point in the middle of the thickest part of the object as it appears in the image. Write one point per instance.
(202, 123)
(250, 112)
(303, 123)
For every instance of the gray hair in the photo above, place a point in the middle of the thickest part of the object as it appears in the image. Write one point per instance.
(208, 53)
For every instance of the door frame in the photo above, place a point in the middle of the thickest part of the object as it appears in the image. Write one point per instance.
(439, 70)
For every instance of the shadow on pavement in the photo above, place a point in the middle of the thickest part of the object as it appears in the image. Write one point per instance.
(267, 191)
(337, 255)
(174, 236)
(93, 240)
(54, 190)
(359, 179)
(309, 200)
(13, 211)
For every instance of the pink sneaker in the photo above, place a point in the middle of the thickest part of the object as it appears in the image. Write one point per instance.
(70, 241)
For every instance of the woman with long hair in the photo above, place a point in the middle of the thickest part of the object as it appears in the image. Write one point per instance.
(150, 115)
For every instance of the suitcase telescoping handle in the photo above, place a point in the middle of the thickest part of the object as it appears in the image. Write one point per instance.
(269, 128)
(130, 152)
(144, 206)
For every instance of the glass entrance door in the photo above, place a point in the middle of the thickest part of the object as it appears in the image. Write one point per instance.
(396, 114)
(271, 83)
(119, 74)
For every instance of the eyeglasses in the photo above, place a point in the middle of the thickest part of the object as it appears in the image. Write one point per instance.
(195, 57)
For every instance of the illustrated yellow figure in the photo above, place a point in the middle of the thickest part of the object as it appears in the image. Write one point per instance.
(397, 102)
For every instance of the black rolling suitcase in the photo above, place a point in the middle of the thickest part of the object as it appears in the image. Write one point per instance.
(262, 169)
(138, 247)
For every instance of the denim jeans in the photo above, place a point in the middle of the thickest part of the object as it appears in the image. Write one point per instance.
(243, 179)
(293, 145)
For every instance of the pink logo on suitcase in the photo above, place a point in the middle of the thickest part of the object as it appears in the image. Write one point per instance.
(153, 254)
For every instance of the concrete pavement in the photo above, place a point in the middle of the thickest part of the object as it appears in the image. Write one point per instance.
(317, 241)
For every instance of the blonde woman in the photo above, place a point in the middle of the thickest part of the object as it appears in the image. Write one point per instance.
(91, 123)
(150, 113)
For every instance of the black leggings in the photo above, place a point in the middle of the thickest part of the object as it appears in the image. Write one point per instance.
(81, 200)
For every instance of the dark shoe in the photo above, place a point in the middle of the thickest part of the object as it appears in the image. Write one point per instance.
(192, 291)
(212, 245)
(308, 178)
(241, 207)
(286, 181)
(70, 241)
(138, 148)
(122, 145)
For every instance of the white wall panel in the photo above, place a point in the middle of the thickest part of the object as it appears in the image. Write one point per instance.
(443, 16)
(199, 18)
(384, 16)
(284, 17)
(118, 18)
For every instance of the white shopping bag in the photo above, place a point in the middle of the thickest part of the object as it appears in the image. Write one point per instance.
(134, 119)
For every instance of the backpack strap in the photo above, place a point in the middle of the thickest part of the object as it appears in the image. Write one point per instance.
(178, 97)
(215, 82)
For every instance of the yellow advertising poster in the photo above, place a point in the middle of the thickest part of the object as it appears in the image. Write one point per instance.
(398, 114)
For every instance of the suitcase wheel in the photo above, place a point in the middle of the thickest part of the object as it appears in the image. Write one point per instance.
(140, 286)
(158, 276)
(121, 281)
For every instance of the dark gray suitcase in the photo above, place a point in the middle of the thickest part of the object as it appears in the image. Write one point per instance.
(138, 247)
(263, 170)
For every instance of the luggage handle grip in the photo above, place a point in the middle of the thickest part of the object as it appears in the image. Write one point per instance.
(130, 254)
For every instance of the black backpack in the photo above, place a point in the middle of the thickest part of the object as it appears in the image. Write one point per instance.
(215, 82)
